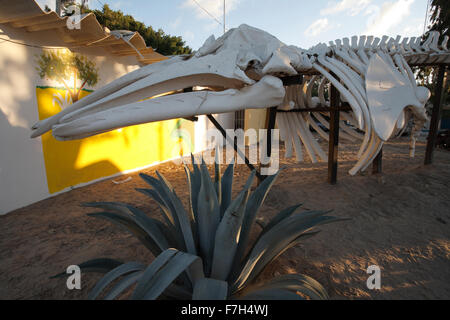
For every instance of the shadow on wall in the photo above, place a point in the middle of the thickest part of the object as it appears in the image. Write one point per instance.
(70, 163)
(22, 175)
(23, 178)
(22, 171)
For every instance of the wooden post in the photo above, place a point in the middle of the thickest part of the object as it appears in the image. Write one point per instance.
(377, 164)
(435, 116)
(333, 135)
(271, 115)
(270, 125)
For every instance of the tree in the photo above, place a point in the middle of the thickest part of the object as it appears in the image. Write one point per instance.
(158, 40)
(439, 21)
(68, 5)
(440, 16)
(61, 65)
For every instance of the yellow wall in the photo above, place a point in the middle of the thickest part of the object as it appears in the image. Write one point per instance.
(69, 163)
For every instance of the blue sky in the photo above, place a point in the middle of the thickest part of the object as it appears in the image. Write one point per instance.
(295, 22)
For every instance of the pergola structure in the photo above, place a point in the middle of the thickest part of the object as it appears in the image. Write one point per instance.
(333, 110)
(87, 33)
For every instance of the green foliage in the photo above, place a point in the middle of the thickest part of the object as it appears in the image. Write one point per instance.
(426, 76)
(87, 70)
(440, 21)
(440, 17)
(67, 5)
(206, 252)
(61, 65)
(158, 40)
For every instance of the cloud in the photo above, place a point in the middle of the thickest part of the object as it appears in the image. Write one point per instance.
(188, 35)
(176, 23)
(317, 27)
(413, 29)
(215, 8)
(387, 17)
(352, 7)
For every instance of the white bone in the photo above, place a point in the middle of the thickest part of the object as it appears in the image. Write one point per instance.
(269, 91)
(282, 124)
(374, 78)
(388, 94)
(354, 42)
(444, 44)
(368, 44)
(316, 127)
(44, 125)
(295, 138)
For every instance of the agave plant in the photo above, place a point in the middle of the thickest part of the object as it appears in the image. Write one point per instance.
(206, 252)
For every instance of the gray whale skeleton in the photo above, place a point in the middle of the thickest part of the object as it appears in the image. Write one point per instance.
(369, 82)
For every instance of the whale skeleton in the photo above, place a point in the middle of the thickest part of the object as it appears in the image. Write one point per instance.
(242, 69)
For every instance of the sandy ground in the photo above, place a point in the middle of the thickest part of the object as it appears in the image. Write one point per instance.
(399, 221)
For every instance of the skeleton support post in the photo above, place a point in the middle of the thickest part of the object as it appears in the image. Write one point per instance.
(334, 135)
(436, 115)
(377, 166)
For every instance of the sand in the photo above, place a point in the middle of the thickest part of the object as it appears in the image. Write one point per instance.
(399, 221)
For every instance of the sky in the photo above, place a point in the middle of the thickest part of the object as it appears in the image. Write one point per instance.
(302, 23)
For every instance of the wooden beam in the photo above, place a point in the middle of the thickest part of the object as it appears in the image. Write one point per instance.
(435, 116)
(35, 20)
(377, 164)
(19, 17)
(292, 80)
(129, 50)
(105, 43)
(47, 26)
(333, 136)
(270, 125)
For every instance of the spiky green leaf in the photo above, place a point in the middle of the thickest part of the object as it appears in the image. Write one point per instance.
(164, 210)
(113, 275)
(208, 217)
(283, 214)
(144, 282)
(275, 241)
(132, 227)
(122, 285)
(295, 283)
(164, 270)
(227, 237)
(226, 188)
(217, 177)
(255, 201)
(210, 289)
(154, 228)
(181, 214)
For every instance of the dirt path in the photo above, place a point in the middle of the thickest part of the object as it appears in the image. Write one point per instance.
(399, 221)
